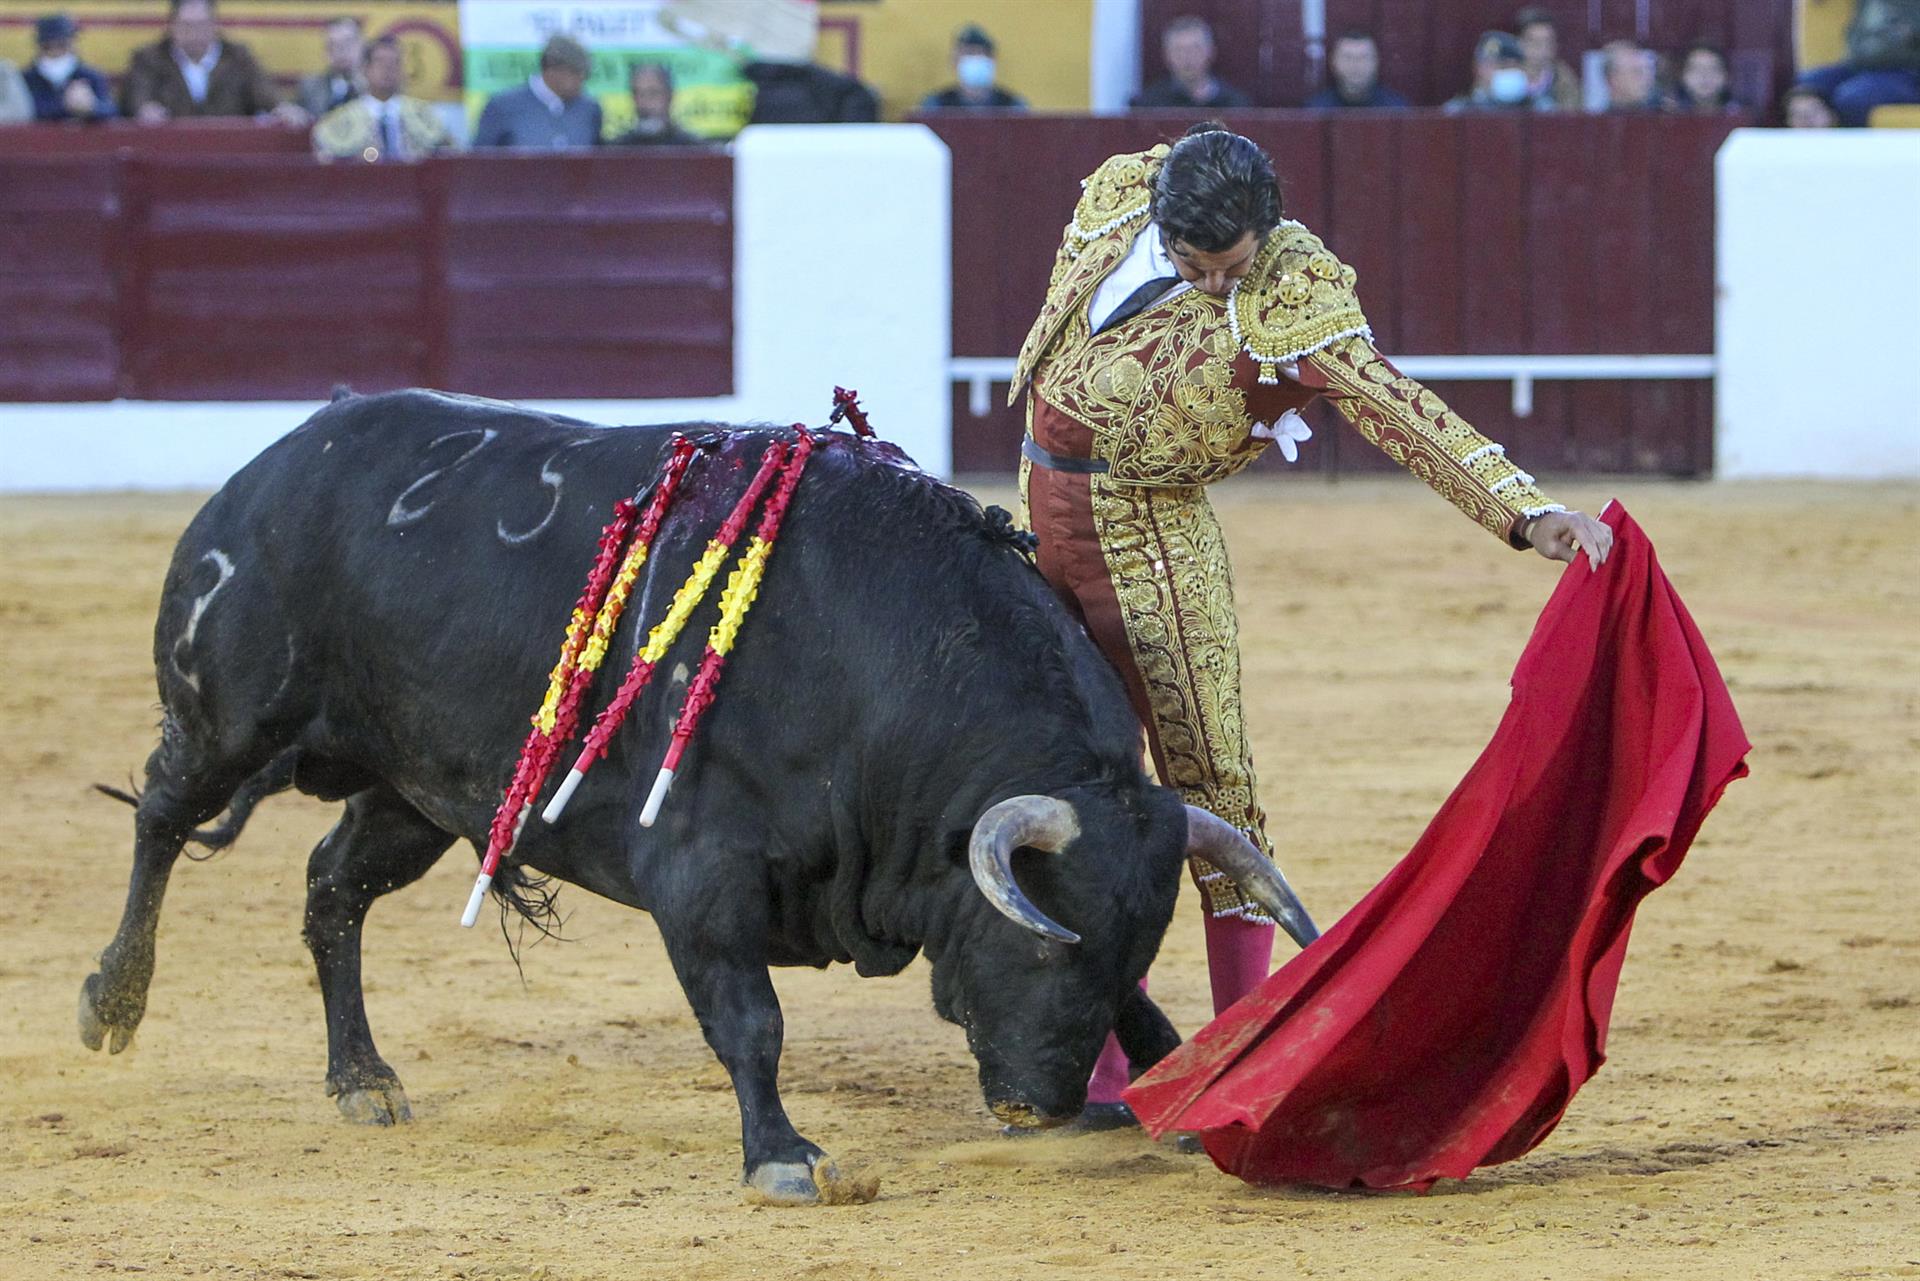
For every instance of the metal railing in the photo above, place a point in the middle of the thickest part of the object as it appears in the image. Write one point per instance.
(980, 373)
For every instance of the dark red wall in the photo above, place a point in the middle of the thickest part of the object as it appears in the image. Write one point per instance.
(1511, 236)
(242, 277)
(1426, 46)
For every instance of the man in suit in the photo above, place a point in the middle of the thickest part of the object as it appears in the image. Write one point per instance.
(63, 87)
(381, 124)
(193, 72)
(341, 82)
(1187, 46)
(550, 110)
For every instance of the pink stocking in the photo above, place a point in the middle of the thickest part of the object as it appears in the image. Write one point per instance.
(1110, 1072)
(1238, 954)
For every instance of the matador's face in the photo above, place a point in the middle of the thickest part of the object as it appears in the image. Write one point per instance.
(1213, 273)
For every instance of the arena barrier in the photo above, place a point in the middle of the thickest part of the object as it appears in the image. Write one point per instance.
(836, 267)
(1819, 304)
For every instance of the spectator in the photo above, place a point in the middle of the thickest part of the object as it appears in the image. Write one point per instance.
(1705, 87)
(16, 104)
(1551, 83)
(1631, 83)
(801, 93)
(1883, 62)
(63, 87)
(1804, 108)
(1499, 78)
(976, 74)
(550, 110)
(1353, 76)
(191, 71)
(1187, 46)
(381, 123)
(652, 85)
(342, 81)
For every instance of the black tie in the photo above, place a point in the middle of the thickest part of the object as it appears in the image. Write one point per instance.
(1138, 301)
(390, 131)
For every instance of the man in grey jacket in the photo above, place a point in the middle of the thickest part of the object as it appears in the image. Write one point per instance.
(550, 110)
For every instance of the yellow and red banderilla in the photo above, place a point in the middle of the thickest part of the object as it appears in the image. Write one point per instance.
(589, 630)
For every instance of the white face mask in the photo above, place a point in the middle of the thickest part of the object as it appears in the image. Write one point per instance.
(59, 70)
(975, 70)
(1508, 84)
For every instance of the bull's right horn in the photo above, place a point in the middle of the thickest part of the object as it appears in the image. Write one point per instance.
(1040, 822)
(1226, 847)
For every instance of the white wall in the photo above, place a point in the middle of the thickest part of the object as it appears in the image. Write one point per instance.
(841, 276)
(1818, 318)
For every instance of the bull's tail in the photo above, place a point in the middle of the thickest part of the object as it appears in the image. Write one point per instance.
(276, 776)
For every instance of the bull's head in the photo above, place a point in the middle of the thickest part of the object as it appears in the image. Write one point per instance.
(1036, 997)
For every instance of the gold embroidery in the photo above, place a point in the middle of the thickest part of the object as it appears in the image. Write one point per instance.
(1415, 428)
(1168, 563)
(1157, 393)
(1296, 299)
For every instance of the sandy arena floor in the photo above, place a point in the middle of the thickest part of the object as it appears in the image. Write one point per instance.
(1760, 1117)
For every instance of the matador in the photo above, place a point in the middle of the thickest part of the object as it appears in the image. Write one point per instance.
(1186, 323)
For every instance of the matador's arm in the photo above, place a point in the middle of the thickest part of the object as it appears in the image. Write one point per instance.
(1414, 427)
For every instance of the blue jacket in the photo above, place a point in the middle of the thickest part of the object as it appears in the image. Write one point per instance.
(517, 118)
(47, 104)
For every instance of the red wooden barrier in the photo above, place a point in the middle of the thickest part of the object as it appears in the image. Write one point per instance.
(236, 277)
(184, 137)
(1570, 235)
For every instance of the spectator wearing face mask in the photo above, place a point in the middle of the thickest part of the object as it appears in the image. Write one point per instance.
(976, 77)
(1551, 83)
(1499, 77)
(63, 87)
(1632, 85)
(1353, 76)
(1705, 87)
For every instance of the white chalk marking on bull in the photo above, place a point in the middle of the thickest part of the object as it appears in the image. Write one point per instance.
(400, 514)
(656, 798)
(552, 480)
(558, 804)
(223, 563)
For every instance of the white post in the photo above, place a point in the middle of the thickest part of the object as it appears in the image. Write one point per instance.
(1114, 73)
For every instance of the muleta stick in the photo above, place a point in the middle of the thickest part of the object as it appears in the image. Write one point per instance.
(743, 585)
(589, 630)
(668, 630)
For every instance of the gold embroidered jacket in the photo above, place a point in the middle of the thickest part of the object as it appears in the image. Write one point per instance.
(348, 131)
(1170, 397)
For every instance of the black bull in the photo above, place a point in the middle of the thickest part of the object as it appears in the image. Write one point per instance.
(368, 611)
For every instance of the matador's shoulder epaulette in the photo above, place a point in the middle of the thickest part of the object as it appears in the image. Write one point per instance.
(1297, 299)
(1115, 194)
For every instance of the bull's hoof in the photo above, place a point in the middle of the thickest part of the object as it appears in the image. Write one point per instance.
(112, 1028)
(817, 1181)
(1093, 1118)
(374, 1104)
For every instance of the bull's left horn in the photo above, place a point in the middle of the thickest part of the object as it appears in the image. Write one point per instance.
(1226, 847)
(1041, 822)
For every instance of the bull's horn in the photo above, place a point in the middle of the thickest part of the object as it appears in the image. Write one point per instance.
(1041, 822)
(1226, 847)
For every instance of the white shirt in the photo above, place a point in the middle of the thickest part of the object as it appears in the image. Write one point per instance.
(197, 73)
(380, 111)
(541, 91)
(1146, 260)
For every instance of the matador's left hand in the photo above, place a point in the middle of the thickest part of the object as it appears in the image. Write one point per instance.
(1564, 535)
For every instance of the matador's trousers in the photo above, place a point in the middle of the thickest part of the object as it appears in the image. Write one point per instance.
(1146, 569)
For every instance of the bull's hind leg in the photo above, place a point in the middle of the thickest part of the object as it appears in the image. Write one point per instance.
(380, 844)
(183, 790)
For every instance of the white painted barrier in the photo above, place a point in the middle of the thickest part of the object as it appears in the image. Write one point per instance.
(1818, 319)
(841, 276)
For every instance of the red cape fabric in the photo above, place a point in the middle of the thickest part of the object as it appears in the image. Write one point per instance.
(1446, 1021)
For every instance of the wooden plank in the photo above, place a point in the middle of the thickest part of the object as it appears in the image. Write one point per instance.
(1620, 231)
(1559, 204)
(1364, 176)
(1494, 211)
(1432, 244)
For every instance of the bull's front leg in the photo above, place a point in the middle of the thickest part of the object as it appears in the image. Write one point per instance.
(726, 982)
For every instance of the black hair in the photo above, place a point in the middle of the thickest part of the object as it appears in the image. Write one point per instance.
(173, 7)
(383, 42)
(1214, 188)
(1355, 33)
(1535, 18)
(652, 67)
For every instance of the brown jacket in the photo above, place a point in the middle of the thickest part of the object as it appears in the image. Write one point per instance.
(237, 86)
